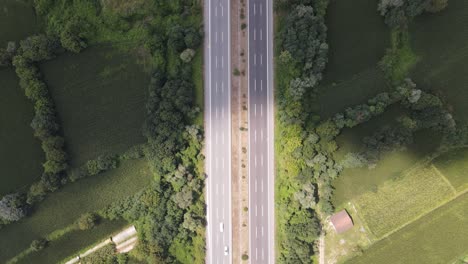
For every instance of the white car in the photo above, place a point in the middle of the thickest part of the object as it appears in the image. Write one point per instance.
(221, 227)
(226, 250)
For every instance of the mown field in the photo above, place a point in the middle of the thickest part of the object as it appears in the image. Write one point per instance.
(20, 153)
(17, 21)
(402, 200)
(439, 237)
(73, 242)
(63, 207)
(357, 38)
(100, 96)
(441, 41)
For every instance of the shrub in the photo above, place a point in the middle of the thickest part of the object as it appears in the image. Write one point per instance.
(38, 244)
(187, 55)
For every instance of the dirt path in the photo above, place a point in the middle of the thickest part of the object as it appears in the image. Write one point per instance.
(124, 240)
(322, 249)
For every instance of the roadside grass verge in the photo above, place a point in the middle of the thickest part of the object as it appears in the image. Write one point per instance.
(402, 200)
(435, 238)
(64, 207)
(100, 96)
(20, 153)
(454, 166)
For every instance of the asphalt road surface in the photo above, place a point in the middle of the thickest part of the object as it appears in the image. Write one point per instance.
(261, 173)
(218, 130)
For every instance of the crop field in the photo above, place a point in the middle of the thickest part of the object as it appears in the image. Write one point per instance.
(21, 154)
(439, 237)
(441, 40)
(17, 21)
(73, 242)
(454, 165)
(404, 199)
(63, 207)
(100, 96)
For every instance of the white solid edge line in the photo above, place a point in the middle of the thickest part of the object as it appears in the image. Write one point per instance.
(209, 130)
(229, 127)
(248, 125)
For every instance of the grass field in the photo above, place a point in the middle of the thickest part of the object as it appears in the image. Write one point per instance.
(357, 38)
(62, 208)
(454, 165)
(354, 182)
(439, 237)
(20, 153)
(73, 242)
(441, 40)
(404, 199)
(17, 21)
(100, 96)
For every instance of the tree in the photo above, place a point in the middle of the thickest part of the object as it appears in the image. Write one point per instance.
(306, 196)
(12, 207)
(87, 221)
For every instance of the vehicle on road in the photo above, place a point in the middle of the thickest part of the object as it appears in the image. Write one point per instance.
(221, 227)
(226, 251)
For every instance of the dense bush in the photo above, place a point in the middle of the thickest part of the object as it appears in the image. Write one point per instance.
(45, 125)
(93, 167)
(304, 37)
(397, 13)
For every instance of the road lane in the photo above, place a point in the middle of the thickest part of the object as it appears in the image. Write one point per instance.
(218, 130)
(261, 175)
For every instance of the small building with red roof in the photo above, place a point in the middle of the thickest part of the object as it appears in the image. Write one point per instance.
(341, 221)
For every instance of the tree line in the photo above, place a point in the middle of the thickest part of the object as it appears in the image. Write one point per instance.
(302, 59)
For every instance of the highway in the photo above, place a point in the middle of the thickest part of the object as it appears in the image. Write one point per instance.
(261, 152)
(218, 131)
